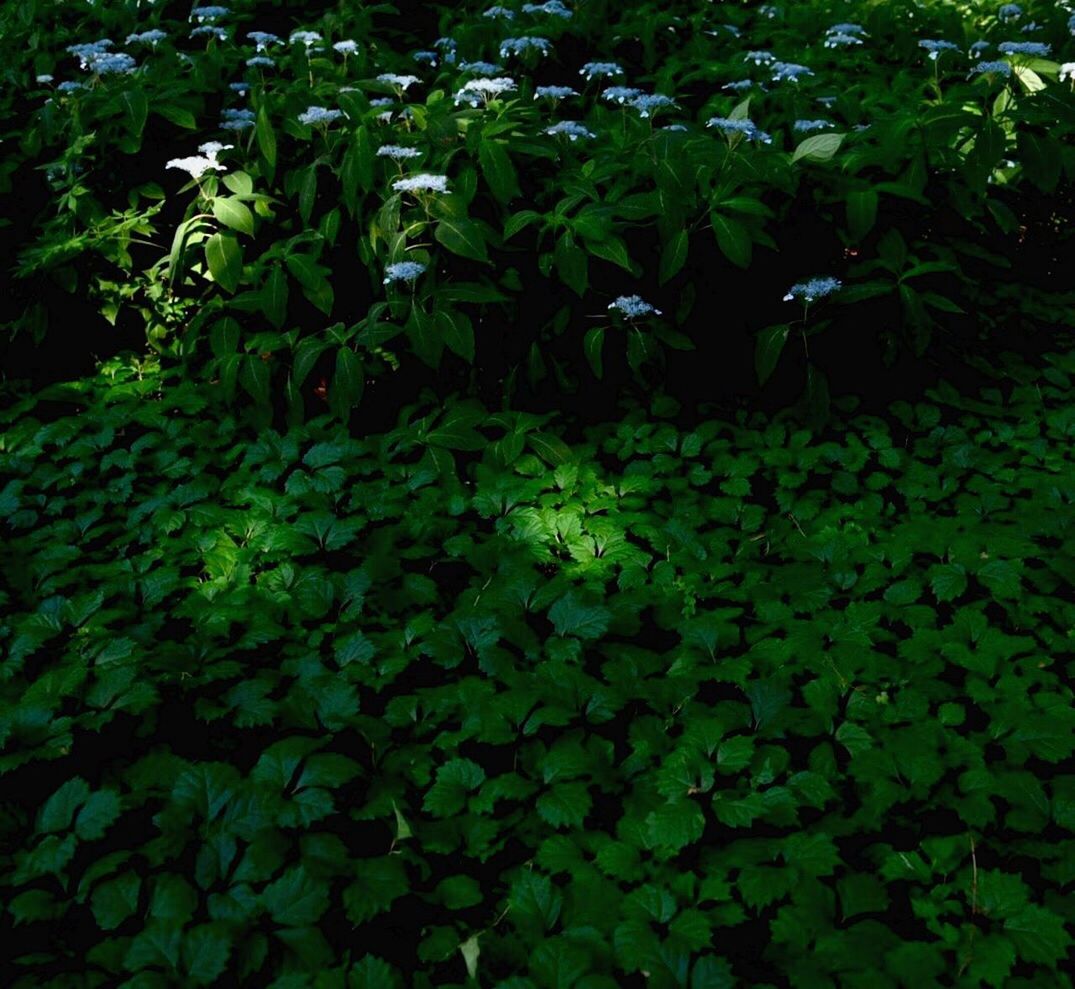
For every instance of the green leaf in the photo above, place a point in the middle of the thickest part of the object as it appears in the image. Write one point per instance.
(564, 805)
(135, 110)
(733, 238)
(767, 350)
(470, 951)
(819, 147)
(498, 170)
(348, 382)
(948, 581)
(233, 213)
(225, 259)
(379, 882)
(454, 780)
(274, 295)
(1039, 935)
(205, 952)
(592, 344)
(463, 237)
(570, 616)
(97, 814)
(59, 810)
(550, 448)
(457, 332)
(673, 256)
(266, 138)
(571, 264)
(861, 212)
(296, 899)
(114, 900)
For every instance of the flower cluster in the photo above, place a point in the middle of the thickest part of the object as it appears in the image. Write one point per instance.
(423, 182)
(633, 307)
(746, 128)
(403, 271)
(1032, 48)
(553, 7)
(790, 71)
(482, 90)
(813, 289)
(305, 38)
(346, 47)
(571, 129)
(150, 38)
(402, 83)
(499, 11)
(809, 126)
(319, 115)
(648, 103)
(554, 92)
(600, 70)
(397, 152)
(197, 165)
(263, 39)
(203, 14)
(992, 68)
(620, 94)
(520, 46)
(236, 119)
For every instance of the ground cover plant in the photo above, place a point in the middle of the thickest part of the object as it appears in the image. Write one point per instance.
(484, 500)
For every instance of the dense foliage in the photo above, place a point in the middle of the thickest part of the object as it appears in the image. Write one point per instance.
(729, 706)
(376, 199)
(316, 673)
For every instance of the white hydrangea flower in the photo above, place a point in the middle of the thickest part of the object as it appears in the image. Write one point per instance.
(319, 115)
(196, 165)
(423, 182)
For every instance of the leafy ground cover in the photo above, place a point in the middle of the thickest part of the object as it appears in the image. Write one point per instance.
(714, 705)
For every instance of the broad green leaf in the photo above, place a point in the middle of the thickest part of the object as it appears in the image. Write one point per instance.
(818, 147)
(498, 170)
(233, 213)
(733, 239)
(463, 237)
(767, 350)
(225, 259)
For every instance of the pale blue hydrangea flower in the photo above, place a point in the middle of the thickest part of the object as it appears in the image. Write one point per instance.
(397, 152)
(826, 100)
(790, 71)
(604, 70)
(403, 271)
(150, 38)
(997, 68)
(1071, 24)
(520, 46)
(1033, 48)
(978, 49)
(90, 49)
(760, 57)
(937, 48)
(423, 182)
(425, 58)
(480, 68)
(239, 87)
(648, 103)
(739, 85)
(571, 129)
(209, 31)
(1010, 12)
(1030, 28)
(307, 38)
(449, 43)
(748, 129)
(813, 289)
(69, 86)
(846, 28)
(263, 39)
(841, 40)
(112, 63)
(809, 126)
(554, 92)
(260, 61)
(769, 10)
(236, 119)
(553, 7)
(382, 101)
(397, 81)
(1067, 71)
(674, 127)
(203, 14)
(633, 307)
(499, 11)
(483, 90)
(43, 80)
(196, 166)
(346, 47)
(319, 115)
(620, 94)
